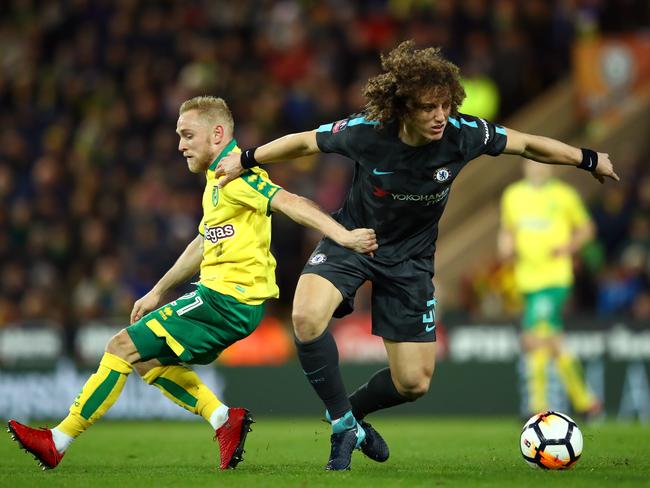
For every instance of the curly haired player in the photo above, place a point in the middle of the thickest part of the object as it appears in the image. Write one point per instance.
(408, 146)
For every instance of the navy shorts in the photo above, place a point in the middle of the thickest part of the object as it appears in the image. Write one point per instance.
(403, 303)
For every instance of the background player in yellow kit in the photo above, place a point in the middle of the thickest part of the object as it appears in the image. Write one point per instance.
(237, 275)
(543, 223)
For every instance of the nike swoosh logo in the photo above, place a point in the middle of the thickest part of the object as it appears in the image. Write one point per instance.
(429, 328)
(381, 173)
(315, 371)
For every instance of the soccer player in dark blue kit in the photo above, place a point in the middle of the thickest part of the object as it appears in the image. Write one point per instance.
(408, 146)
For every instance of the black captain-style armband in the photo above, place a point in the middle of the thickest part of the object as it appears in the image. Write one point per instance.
(589, 160)
(247, 158)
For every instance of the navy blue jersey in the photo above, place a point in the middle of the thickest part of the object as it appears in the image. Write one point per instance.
(401, 190)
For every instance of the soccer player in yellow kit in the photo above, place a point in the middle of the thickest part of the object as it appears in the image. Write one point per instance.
(237, 275)
(543, 223)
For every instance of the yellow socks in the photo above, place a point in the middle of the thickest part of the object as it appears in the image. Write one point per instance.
(98, 395)
(570, 372)
(184, 387)
(537, 365)
(178, 383)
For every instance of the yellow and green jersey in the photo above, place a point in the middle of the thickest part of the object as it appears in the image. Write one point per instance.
(541, 220)
(236, 227)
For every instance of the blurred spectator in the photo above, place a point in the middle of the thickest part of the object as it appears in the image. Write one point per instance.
(612, 214)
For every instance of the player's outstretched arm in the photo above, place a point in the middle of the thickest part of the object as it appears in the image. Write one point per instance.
(186, 266)
(287, 147)
(552, 151)
(307, 213)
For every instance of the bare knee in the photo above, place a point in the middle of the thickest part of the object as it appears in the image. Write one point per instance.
(530, 342)
(415, 384)
(413, 390)
(308, 324)
(143, 367)
(556, 346)
(122, 346)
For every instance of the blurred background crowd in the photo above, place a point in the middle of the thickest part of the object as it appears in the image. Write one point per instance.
(96, 202)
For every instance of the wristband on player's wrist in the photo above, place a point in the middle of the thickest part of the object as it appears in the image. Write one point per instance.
(247, 158)
(589, 160)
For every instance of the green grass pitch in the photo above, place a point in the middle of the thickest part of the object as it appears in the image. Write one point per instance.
(442, 452)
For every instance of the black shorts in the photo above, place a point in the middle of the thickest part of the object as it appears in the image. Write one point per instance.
(403, 305)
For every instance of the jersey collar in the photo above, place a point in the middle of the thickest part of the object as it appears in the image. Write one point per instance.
(231, 145)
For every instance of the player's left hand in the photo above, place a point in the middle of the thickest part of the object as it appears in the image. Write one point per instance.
(228, 168)
(363, 241)
(604, 168)
(144, 305)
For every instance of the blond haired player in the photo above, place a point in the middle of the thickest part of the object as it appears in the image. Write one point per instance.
(237, 275)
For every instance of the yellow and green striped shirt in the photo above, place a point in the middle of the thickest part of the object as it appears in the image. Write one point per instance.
(236, 227)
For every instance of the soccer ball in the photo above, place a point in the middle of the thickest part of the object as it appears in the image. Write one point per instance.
(551, 440)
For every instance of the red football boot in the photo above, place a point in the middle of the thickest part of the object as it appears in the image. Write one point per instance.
(232, 435)
(38, 442)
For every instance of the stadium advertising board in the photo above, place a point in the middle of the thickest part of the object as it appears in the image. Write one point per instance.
(477, 372)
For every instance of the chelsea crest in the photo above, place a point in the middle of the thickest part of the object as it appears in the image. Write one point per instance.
(441, 175)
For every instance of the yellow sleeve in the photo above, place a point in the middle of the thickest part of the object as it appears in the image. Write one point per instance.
(253, 189)
(201, 226)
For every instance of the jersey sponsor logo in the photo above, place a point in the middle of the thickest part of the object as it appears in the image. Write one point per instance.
(319, 258)
(215, 234)
(339, 126)
(425, 198)
(441, 175)
(534, 223)
(381, 173)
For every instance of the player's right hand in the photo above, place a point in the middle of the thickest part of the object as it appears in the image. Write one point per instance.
(604, 168)
(228, 169)
(363, 241)
(144, 305)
